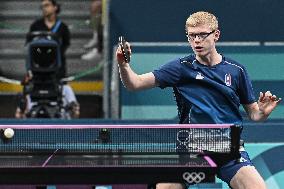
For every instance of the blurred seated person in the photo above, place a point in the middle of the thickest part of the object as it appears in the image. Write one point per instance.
(69, 103)
(51, 23)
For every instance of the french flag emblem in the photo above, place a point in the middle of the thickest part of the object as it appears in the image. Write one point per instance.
(228, 79)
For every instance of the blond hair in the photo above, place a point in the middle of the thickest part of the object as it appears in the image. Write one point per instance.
(200, 18)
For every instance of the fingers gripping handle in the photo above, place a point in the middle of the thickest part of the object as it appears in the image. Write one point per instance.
(124, 49)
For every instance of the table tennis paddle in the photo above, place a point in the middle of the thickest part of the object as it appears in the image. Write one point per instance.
(124, 49)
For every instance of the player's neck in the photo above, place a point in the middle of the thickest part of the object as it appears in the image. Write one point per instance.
(210, 59)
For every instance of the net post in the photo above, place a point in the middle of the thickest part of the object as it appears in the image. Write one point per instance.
(235, 140)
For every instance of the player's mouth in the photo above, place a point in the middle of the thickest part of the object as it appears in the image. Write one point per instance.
(198, 48)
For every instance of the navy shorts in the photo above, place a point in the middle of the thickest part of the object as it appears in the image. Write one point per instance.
(228, 171)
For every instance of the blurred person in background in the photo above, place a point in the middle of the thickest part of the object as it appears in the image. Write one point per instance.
(50, 22)
(95, 45)
(69, 102)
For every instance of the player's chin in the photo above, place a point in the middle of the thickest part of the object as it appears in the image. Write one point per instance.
(200, 53)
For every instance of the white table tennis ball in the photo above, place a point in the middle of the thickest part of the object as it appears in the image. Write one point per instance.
(9, 133)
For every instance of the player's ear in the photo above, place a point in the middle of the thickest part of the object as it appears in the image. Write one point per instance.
(217, 35)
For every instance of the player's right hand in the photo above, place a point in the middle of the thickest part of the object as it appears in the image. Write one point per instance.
(119, 55)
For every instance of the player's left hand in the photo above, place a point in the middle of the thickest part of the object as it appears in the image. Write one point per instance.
(267, 102)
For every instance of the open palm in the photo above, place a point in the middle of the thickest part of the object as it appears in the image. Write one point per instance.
(267, 102)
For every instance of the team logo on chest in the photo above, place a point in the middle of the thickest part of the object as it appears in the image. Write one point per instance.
(199, 76)
(228, 79)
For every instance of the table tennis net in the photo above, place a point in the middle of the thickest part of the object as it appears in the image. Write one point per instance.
(106, 139)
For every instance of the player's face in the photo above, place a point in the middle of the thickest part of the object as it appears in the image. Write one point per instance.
(202, 39)
(48, 8)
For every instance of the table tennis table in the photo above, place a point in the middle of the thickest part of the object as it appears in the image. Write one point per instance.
(112, 154)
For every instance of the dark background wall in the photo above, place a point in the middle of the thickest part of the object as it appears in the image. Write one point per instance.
(164, 20)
